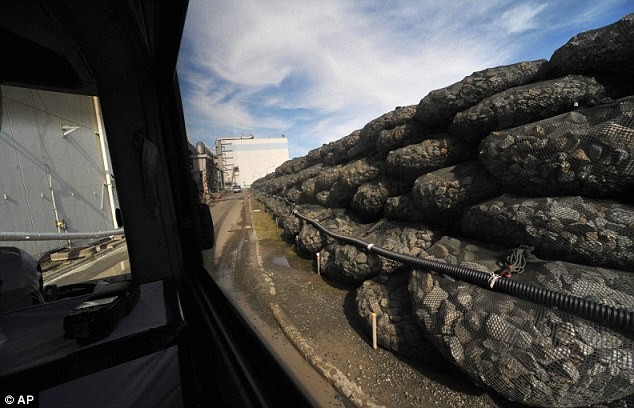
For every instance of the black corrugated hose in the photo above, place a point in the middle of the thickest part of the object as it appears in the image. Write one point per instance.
(599, 313)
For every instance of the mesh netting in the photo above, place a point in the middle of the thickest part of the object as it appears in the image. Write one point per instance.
(589, 151)
(528, 353)
(590, 231)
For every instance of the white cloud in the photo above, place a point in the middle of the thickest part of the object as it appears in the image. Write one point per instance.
(521, 18)
(346, 56)
(256, 43)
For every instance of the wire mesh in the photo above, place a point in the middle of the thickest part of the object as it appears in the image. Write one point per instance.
(529, 353)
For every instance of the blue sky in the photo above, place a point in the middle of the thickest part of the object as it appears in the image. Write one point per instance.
(317, 70)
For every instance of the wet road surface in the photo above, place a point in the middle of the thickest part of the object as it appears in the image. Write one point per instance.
(233, 263)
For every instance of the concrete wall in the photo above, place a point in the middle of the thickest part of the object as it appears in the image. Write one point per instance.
(43, 172)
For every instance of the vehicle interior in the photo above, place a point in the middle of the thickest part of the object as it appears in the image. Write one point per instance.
(174, 339)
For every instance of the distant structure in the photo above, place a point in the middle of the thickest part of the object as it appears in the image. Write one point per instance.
(244, 159)
(55, 170)
(205, 170)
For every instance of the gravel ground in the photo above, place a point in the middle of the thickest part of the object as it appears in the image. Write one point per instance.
(319, 318)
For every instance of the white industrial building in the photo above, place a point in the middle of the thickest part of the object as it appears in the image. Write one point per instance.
(244, 159)
(54, 166)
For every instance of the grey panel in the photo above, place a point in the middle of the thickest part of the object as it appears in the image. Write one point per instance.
(14, 214)
(32, 146)
(76, 172)
(34, 212)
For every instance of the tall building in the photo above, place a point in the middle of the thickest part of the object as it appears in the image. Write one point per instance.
(244, 159)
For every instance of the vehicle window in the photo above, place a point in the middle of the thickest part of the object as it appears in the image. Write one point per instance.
(73, 317)
(493, 137)
(59, 213)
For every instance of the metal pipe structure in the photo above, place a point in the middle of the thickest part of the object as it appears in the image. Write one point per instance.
(104, 157)
(600, 313)
(51, 236)
(235, 138)
(58, 221)
(221, 156)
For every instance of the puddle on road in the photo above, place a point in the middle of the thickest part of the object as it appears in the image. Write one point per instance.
(281, 261)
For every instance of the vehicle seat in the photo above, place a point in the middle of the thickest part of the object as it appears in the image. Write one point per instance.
(20, 280)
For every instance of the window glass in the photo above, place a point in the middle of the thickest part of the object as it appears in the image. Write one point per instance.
(439, 130)
(59, 205)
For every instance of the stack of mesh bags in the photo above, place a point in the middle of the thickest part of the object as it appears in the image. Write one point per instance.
(529, 353)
